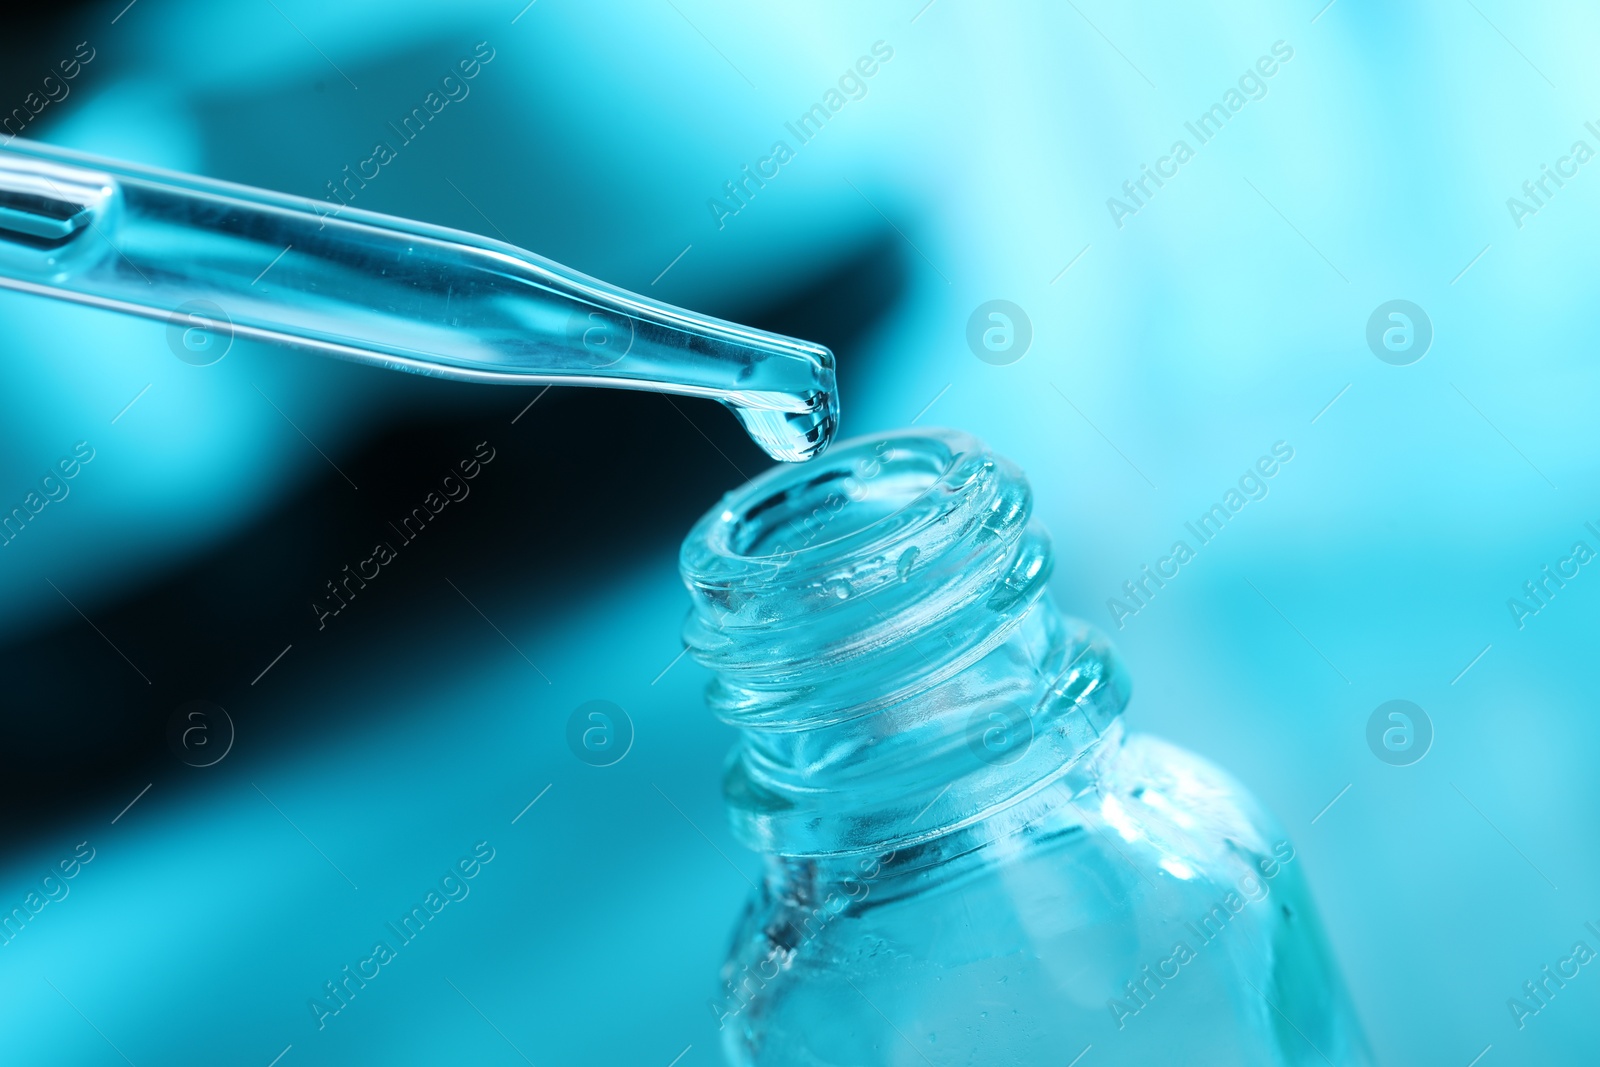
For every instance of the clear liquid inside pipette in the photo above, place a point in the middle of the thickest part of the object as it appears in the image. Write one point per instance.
(386, 291)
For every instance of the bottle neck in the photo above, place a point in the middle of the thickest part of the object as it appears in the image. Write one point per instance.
(881, 637)
(1061, 803)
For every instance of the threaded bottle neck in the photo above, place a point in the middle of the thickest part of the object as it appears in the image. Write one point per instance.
(879, 630)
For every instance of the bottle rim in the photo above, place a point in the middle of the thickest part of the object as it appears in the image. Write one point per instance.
(745, 532)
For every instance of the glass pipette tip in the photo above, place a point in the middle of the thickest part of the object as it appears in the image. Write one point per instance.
(387, 291)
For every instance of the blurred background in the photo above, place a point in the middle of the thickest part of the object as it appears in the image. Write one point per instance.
(1175, 332)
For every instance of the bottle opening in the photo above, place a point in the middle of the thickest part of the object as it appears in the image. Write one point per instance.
(860, 486)
(841, 563)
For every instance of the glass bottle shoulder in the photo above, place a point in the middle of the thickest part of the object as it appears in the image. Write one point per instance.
(1160, 902)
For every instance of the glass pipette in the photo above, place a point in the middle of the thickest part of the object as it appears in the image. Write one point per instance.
(382, 290)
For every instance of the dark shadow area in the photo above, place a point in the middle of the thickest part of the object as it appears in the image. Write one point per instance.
(36, 39)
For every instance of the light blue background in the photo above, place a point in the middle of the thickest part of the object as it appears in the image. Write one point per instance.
(1220, 319)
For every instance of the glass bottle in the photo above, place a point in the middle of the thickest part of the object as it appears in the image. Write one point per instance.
(967, 859)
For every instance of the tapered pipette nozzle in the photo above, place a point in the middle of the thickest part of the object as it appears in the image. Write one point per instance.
(391, 292)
